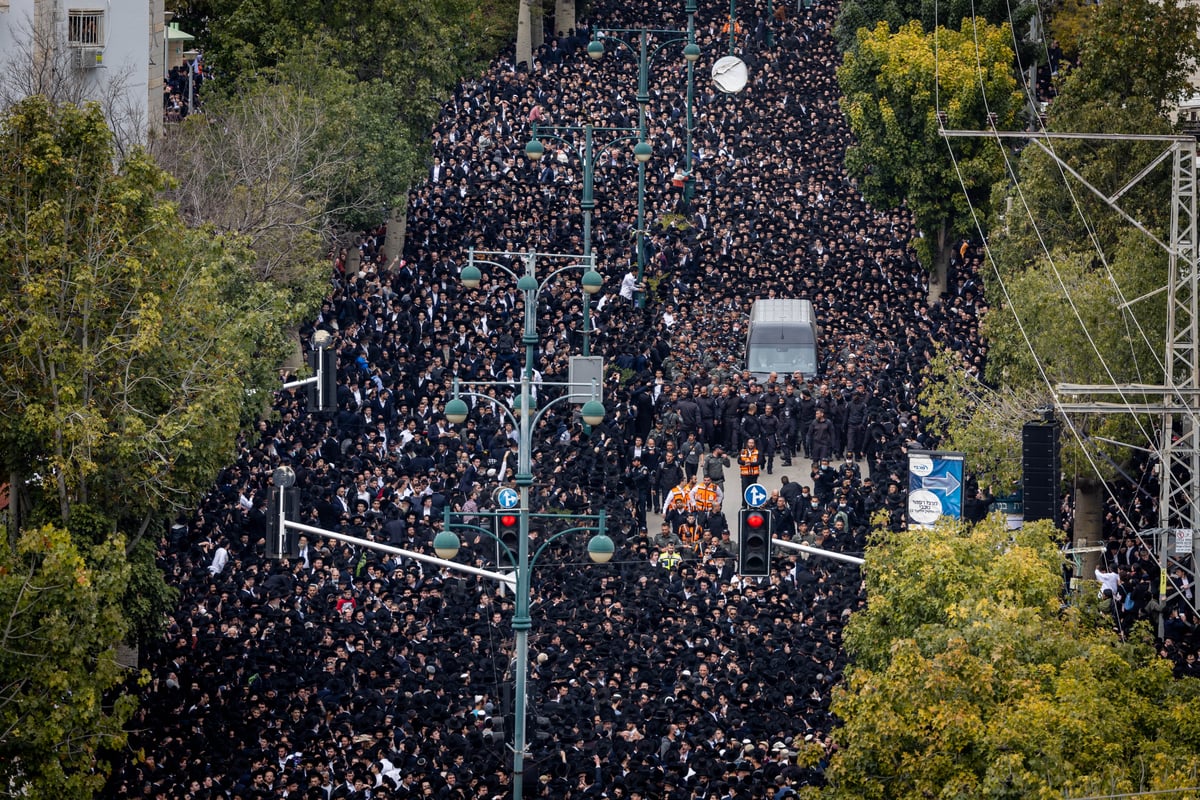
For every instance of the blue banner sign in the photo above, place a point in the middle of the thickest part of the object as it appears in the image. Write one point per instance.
(935, 486)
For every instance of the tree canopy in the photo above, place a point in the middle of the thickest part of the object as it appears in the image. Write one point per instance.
(970, 679)
(893, 85)
(384, 65)
(130, 345)
(1073, 287)
(62, 623)
(855, 14)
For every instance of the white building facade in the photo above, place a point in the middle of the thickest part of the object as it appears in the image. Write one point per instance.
(111, 51)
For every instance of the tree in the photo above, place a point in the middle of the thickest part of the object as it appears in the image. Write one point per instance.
(970, 680)
(1072, 285)
(893, 86)
(1064, 319)
(985, 422)
(60, 621)
(269, 164)
(130, 345)
(855, 14)
(1135, 59)
(1141, 49)
(398, 58)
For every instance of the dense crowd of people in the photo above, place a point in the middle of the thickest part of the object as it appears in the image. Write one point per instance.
(347, 673)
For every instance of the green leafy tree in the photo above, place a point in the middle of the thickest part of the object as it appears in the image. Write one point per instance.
(893, 86)
(855, 14)
(388, 63)
(1063, 320)
(985, 422)
(1072, 284)
(130, 345)
(1135, 60)
(61, 622)
(270, 163)
(970, 680)
(1142, 49)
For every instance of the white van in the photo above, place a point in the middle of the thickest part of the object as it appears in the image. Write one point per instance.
(783, 337)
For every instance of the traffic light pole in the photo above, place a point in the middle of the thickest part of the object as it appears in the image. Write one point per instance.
(816, 551)
(323, 361)
(500, 577)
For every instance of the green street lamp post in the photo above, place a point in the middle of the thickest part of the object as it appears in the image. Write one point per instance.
(526, 418)
(642, 152)
(691, 54)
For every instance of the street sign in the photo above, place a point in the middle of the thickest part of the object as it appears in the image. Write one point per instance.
(586, 376)
(1183, 541)
(507, 498)
(935, 486)
(755, 495)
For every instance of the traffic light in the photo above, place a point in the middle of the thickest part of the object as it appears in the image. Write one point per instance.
(282, 543)
(322, 394)
(754, 543)
(508, 532)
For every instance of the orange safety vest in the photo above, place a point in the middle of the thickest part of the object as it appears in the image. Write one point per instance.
(689, 534)
(706, 498)
(748, 461)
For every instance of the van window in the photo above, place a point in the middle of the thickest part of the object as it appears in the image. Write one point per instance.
(782, 358)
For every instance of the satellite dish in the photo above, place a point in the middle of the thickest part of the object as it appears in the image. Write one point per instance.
(729, 74)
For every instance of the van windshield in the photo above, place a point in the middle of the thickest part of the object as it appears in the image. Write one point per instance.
(782, 358)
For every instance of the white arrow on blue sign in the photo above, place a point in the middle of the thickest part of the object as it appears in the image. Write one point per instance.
(507, 498)
(755, 495)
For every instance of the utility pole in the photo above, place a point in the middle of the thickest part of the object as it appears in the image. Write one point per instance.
(1176, 402)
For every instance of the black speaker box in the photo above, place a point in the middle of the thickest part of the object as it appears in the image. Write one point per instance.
(1040, 467)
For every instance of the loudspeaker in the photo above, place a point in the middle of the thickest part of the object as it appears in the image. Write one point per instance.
(1041, 469)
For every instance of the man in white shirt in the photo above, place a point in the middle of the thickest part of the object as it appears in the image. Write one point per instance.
(1110, 583)
(220, 558)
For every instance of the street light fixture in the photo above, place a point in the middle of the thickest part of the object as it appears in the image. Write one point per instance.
(600, 547)
(691, 54)
(592, 281)
(471, 277)
(523, 413)
(535, 151)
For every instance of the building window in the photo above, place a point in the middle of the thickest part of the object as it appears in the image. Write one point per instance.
(85, 28)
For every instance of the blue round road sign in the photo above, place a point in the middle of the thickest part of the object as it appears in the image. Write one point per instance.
(755, 495)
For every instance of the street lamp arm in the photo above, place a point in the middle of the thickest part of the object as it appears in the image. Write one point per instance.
(494, 401)
(682, 37)
(299, 383)
(607, 33)
(501, 577)
(816, 551)
(665, 38)
(633, 136)
(537, 130)
(512, 557)
(533, 423)
(471, 259)
(541, 548)
(569, 267)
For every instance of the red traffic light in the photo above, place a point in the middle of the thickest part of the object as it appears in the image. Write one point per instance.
(508, 520)
(755, 520)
